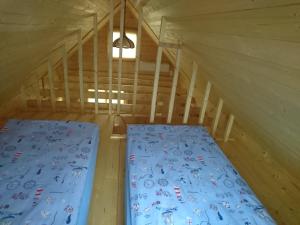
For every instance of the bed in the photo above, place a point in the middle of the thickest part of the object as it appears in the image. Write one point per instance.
(46, 172)
(178, 175)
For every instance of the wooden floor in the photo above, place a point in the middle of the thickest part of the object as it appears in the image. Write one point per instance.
(107, 200)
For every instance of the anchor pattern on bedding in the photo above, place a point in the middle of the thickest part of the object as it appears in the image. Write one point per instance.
(178, 175)
(43, 169)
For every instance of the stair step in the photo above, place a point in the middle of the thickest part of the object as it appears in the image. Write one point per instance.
(124, 87)
(126, 81)
(143, 109)
(74, 89)
(142, 76)
(104, 94)
(141, 119)
(127, 96)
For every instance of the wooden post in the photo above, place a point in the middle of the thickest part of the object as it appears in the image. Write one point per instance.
(109, 51)
(38, 95)
(80, 64)
(137, 61)
(228, 127)
(217, 117)
(157, 71)
(66, 79)
(190, 93)
(23, 98)
(120, 55)
(162, 29)
(51, 86)
(155, 84)
(205, 102)
(96, 62)
(174, 86)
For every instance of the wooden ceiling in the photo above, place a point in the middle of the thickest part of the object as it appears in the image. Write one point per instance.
(250, 51)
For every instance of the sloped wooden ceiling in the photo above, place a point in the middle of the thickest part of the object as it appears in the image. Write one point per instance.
(250, 51)
(30, 29)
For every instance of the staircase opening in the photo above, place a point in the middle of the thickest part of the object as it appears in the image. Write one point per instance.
(114, 101)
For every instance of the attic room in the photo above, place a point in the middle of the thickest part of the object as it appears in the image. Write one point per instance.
(153, 112)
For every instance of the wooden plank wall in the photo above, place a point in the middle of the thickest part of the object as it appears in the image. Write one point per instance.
(272, 183)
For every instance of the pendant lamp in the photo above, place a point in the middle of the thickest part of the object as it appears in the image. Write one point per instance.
(127, 43)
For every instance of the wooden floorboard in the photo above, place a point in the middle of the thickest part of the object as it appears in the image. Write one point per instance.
(121, 183)
(104, 205)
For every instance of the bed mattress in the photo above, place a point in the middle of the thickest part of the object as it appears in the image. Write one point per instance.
(46, 172)
(178, 175)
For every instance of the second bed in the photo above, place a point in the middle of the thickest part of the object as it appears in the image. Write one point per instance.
(178, 175)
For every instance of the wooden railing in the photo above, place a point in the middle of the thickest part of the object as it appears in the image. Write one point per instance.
(169, 104)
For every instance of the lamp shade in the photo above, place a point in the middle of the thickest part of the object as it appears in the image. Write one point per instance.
(127, 43)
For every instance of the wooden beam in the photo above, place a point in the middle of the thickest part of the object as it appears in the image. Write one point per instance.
(23, 98)
(205, 102)
(51, 86)
(38, 95)
(80, 64)
(109, 51)
(96, 62)
(190, 93)
(217, 116)
(162, 30)
(169, 45)
(66, 79)
(137, 61)
(174, 86)
(155, 84)
(120, 55)
(157, 71)
(117, 120)
(228, 127)
(88, 15)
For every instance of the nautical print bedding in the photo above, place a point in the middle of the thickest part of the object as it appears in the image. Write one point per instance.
(178, 175)
(44, 167)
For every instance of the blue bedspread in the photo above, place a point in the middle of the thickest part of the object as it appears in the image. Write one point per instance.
(44, 171)
(178, 175)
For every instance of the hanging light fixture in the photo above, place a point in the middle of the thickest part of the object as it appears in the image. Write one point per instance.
(127, 43)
